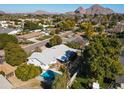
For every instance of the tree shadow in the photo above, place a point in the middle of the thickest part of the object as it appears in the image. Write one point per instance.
(45, 85)
(48, 45)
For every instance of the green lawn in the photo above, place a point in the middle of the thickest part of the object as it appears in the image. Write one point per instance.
(43, 37)
(26, 42)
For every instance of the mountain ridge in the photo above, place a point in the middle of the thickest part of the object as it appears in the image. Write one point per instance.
(2, 12)
(98, 9)
(94, 9)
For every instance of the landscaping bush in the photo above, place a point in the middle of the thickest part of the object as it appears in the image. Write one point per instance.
(26, 72)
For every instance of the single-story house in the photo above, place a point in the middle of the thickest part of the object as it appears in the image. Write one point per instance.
(45, 33)
(4, 83)
(3, 24)
(79, 39)
(30, 35)
(50, 55)
(15, 31)
(9, 30)
(37, 30)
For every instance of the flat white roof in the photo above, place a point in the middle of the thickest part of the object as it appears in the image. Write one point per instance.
(49, 55)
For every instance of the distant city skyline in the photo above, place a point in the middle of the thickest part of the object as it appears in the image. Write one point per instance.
(60, 8)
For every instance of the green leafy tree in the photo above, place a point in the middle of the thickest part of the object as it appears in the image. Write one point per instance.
(104, 20)
(14, 54)
(88, 28)
(26, 72)
(112, 24)
(60, 82)
(55, 40)
(74, 45)
(120, 18)
(119, 34)
(29, 25)
(102, 58)
(56, 31)
(67, 25)
(5, 38)
(100, 29)
(82, 83)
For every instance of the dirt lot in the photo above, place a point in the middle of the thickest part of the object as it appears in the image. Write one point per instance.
(30, 84)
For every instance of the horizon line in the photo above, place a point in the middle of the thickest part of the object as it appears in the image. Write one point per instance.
(57, 8)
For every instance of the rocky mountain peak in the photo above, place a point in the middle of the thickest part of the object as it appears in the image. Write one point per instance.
(80, 10)
(98, 9)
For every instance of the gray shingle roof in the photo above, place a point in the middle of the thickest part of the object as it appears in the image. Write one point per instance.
(6, 30)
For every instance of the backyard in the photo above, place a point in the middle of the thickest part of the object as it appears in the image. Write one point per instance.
(43, 37)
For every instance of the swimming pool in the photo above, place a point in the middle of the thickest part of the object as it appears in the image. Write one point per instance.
(49, 75)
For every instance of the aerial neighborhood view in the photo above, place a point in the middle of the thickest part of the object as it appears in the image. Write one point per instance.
(62, 46)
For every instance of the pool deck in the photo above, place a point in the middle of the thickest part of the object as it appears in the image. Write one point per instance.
(54, 70)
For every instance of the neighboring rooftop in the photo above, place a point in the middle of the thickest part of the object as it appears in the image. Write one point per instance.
(30, 35)
(4, 83)
(6, 30)
(79, 39)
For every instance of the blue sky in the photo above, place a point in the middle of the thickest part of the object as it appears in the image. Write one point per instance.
(54, 7)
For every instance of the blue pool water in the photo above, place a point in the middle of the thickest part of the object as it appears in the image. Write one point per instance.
(49, 75)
